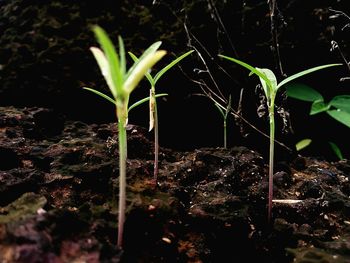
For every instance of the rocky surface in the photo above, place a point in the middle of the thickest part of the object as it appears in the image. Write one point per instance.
(58, 192)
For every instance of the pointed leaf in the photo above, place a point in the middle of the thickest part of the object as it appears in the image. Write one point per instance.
(148, 75)
(138, 72)
(247, 66)
(341, 102)
(341, 116)
(113, 61)
(104, 67)
(151, 49)
(169, 66)
(101, 94)
(122, 56)
(303, 92)
(302, 73)
(318, 107)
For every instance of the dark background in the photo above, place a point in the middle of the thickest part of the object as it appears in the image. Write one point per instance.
(45, 61)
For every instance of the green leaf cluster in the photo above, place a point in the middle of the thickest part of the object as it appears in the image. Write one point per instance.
(338, 107)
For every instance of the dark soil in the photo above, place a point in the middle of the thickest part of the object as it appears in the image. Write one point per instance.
(59, 190)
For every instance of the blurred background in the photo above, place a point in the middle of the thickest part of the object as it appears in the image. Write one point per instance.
(45, 61)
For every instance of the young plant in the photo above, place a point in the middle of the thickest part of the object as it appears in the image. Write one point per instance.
(270, 86)
(224, 114)
(121, 83)
(153, 111)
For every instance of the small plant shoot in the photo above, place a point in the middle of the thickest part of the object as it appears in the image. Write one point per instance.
(271, 86)
(153, 110)
(224, 114)
(121, 83)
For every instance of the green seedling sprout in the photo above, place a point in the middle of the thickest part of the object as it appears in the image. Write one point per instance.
(224, 114)
(270, 86)
(153, 110)
(121, 83)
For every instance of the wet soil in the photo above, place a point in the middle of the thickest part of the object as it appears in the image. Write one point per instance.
(59, 191)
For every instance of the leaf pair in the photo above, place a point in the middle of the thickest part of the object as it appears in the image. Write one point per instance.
(338, 107)
(113, 67)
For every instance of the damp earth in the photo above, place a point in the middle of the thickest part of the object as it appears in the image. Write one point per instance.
(59, 192)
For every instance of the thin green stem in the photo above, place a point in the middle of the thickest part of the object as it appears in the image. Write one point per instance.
(271, 158)
(122, 173)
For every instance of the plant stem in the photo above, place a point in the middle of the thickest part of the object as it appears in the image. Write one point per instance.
(271, 158)
(156, 143)
(225, 134)
(122, 172)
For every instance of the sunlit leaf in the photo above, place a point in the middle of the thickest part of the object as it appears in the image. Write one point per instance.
(113, 61)
(141, 68)
(302, 144)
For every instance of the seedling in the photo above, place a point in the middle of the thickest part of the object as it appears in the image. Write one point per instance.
(153, 111)
(121, 83)
(224, 114)
(270, 86)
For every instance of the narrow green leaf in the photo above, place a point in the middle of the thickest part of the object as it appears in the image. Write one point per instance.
(318, 107)
(304, 72)
(303, 92)
(113, 61)
(341, 102)
(341, 116)
(148, 75)
(104, 67)
(138, 72)
(101, 94)
(151, 49)
(145, 100)
(247, 66)
(170, 65)
(336, 150)
(122, 56)
(302, 144)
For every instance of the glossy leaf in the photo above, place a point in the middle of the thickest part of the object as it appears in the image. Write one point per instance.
(341, 116)
(318, 107)
(303, 92)
(341, 102)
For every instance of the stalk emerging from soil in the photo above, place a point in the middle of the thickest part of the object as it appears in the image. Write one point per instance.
(121, 83)
(153, 110)
(270, 86)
